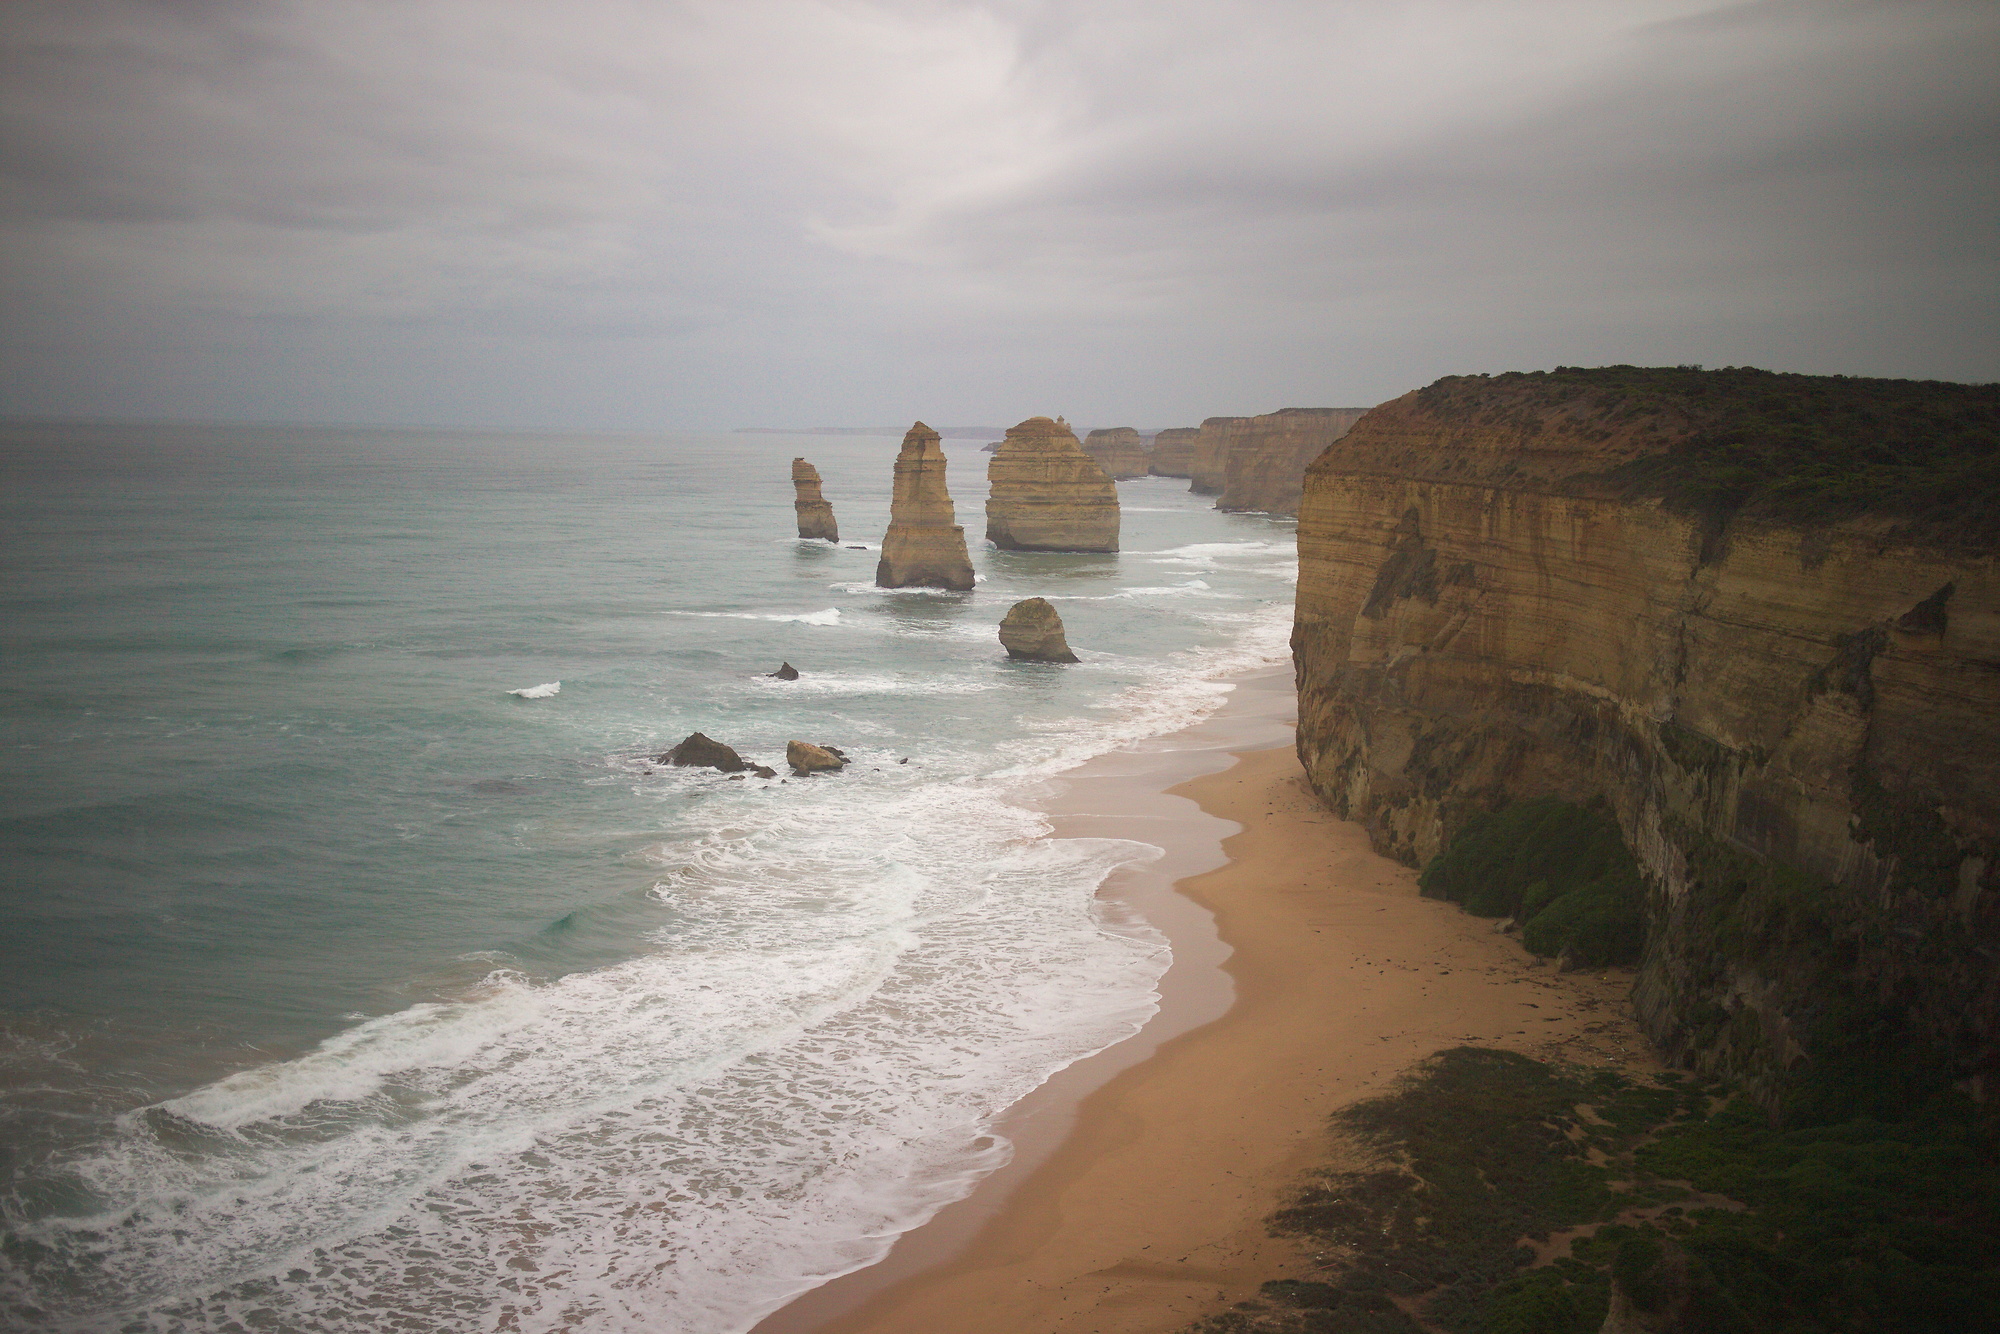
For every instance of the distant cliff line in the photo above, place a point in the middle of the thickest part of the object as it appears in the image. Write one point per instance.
(1757, 614)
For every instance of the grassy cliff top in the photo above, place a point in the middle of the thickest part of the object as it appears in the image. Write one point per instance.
(1763, 444)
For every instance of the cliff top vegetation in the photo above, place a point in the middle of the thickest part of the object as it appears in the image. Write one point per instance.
(1772, 445)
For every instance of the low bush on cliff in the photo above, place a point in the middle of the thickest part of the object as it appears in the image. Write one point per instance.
(1862, 1226)
(1797, 448)
(1561, 869)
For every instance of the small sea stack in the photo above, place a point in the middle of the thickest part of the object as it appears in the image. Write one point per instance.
(924, 547)
(1119, 450)
(1047, 494)
(785, 672)
(1033, 632)
(816, 520)
(1172, 454)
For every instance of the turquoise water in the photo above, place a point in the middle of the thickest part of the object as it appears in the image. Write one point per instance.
(337, 978)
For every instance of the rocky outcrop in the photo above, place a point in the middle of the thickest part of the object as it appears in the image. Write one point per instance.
(1264, 468)
(1032, 631)
(1208, 459)
(703, 752)
(924, 547)
(1046, 494)
(1538, 586)
(1119, 450)
(807, 759)
(815, 514)
(785, 672)
(1172, 454)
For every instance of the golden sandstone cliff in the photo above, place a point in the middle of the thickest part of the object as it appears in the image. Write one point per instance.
(1172, 454)
(1264, 469)
(1046, 494)
(1259, 463)
(924, 547)
(815, 514)
(1772, 647)
(1119, 450)
(1208, 457)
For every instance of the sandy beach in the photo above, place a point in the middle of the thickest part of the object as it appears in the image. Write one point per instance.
(1309, 973)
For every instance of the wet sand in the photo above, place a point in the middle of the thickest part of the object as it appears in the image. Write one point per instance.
(1308, 973)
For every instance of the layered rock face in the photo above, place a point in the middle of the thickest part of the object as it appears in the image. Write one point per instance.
(1172, 454)
(1797, 725)
(1047, 494)
(1033, 631)
(1118, 450)
(1208, 460)
(815, 514)
(924, 546)
(1264, 467)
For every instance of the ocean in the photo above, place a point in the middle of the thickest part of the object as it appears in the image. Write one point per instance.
(351, 979)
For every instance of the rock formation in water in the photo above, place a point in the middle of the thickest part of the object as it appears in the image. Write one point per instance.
(806, 758)
(1046, 494)
(703, 752)
(1172, 454)
(815, 514)
(1264, 469)
(785, 672)
(1119, 451)
(1208, 460)
(1783, 678)
(1032, 630)
(924, 547)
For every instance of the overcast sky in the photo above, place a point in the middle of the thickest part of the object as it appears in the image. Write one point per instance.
(640, 214)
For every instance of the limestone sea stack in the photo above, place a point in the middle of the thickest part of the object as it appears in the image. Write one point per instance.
(815, 514)
(1265, 468)
(1208, 461)
(1172, 454)
(1047, 494)
(1119, 450)
(924, 547)
(1032, 631)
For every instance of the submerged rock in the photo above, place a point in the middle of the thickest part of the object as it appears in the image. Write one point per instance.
(1032, 631)
(1047, 494)
(806, 758)
(924, 547)
(785, 672)
(815, 513)
(704, 752)
(1119, 451)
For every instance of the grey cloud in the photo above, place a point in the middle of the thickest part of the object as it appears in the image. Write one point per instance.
(620, 213)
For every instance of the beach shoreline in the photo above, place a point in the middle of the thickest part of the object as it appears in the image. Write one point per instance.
(1309, 973)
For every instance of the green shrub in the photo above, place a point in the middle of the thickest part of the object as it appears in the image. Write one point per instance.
(1562, 869)
(1596, 925)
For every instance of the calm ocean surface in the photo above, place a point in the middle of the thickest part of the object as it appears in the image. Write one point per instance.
(336, 980)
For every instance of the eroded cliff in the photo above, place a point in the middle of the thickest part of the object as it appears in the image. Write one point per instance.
(1119, 450)
(1172, 454)
(1760, 617)
(1047, 494)
(925, 546)
(1264, 464)
(1208, 457)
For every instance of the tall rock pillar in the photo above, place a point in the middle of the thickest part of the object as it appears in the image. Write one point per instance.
(1047, 494)
(924, 547)
(815, 514)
